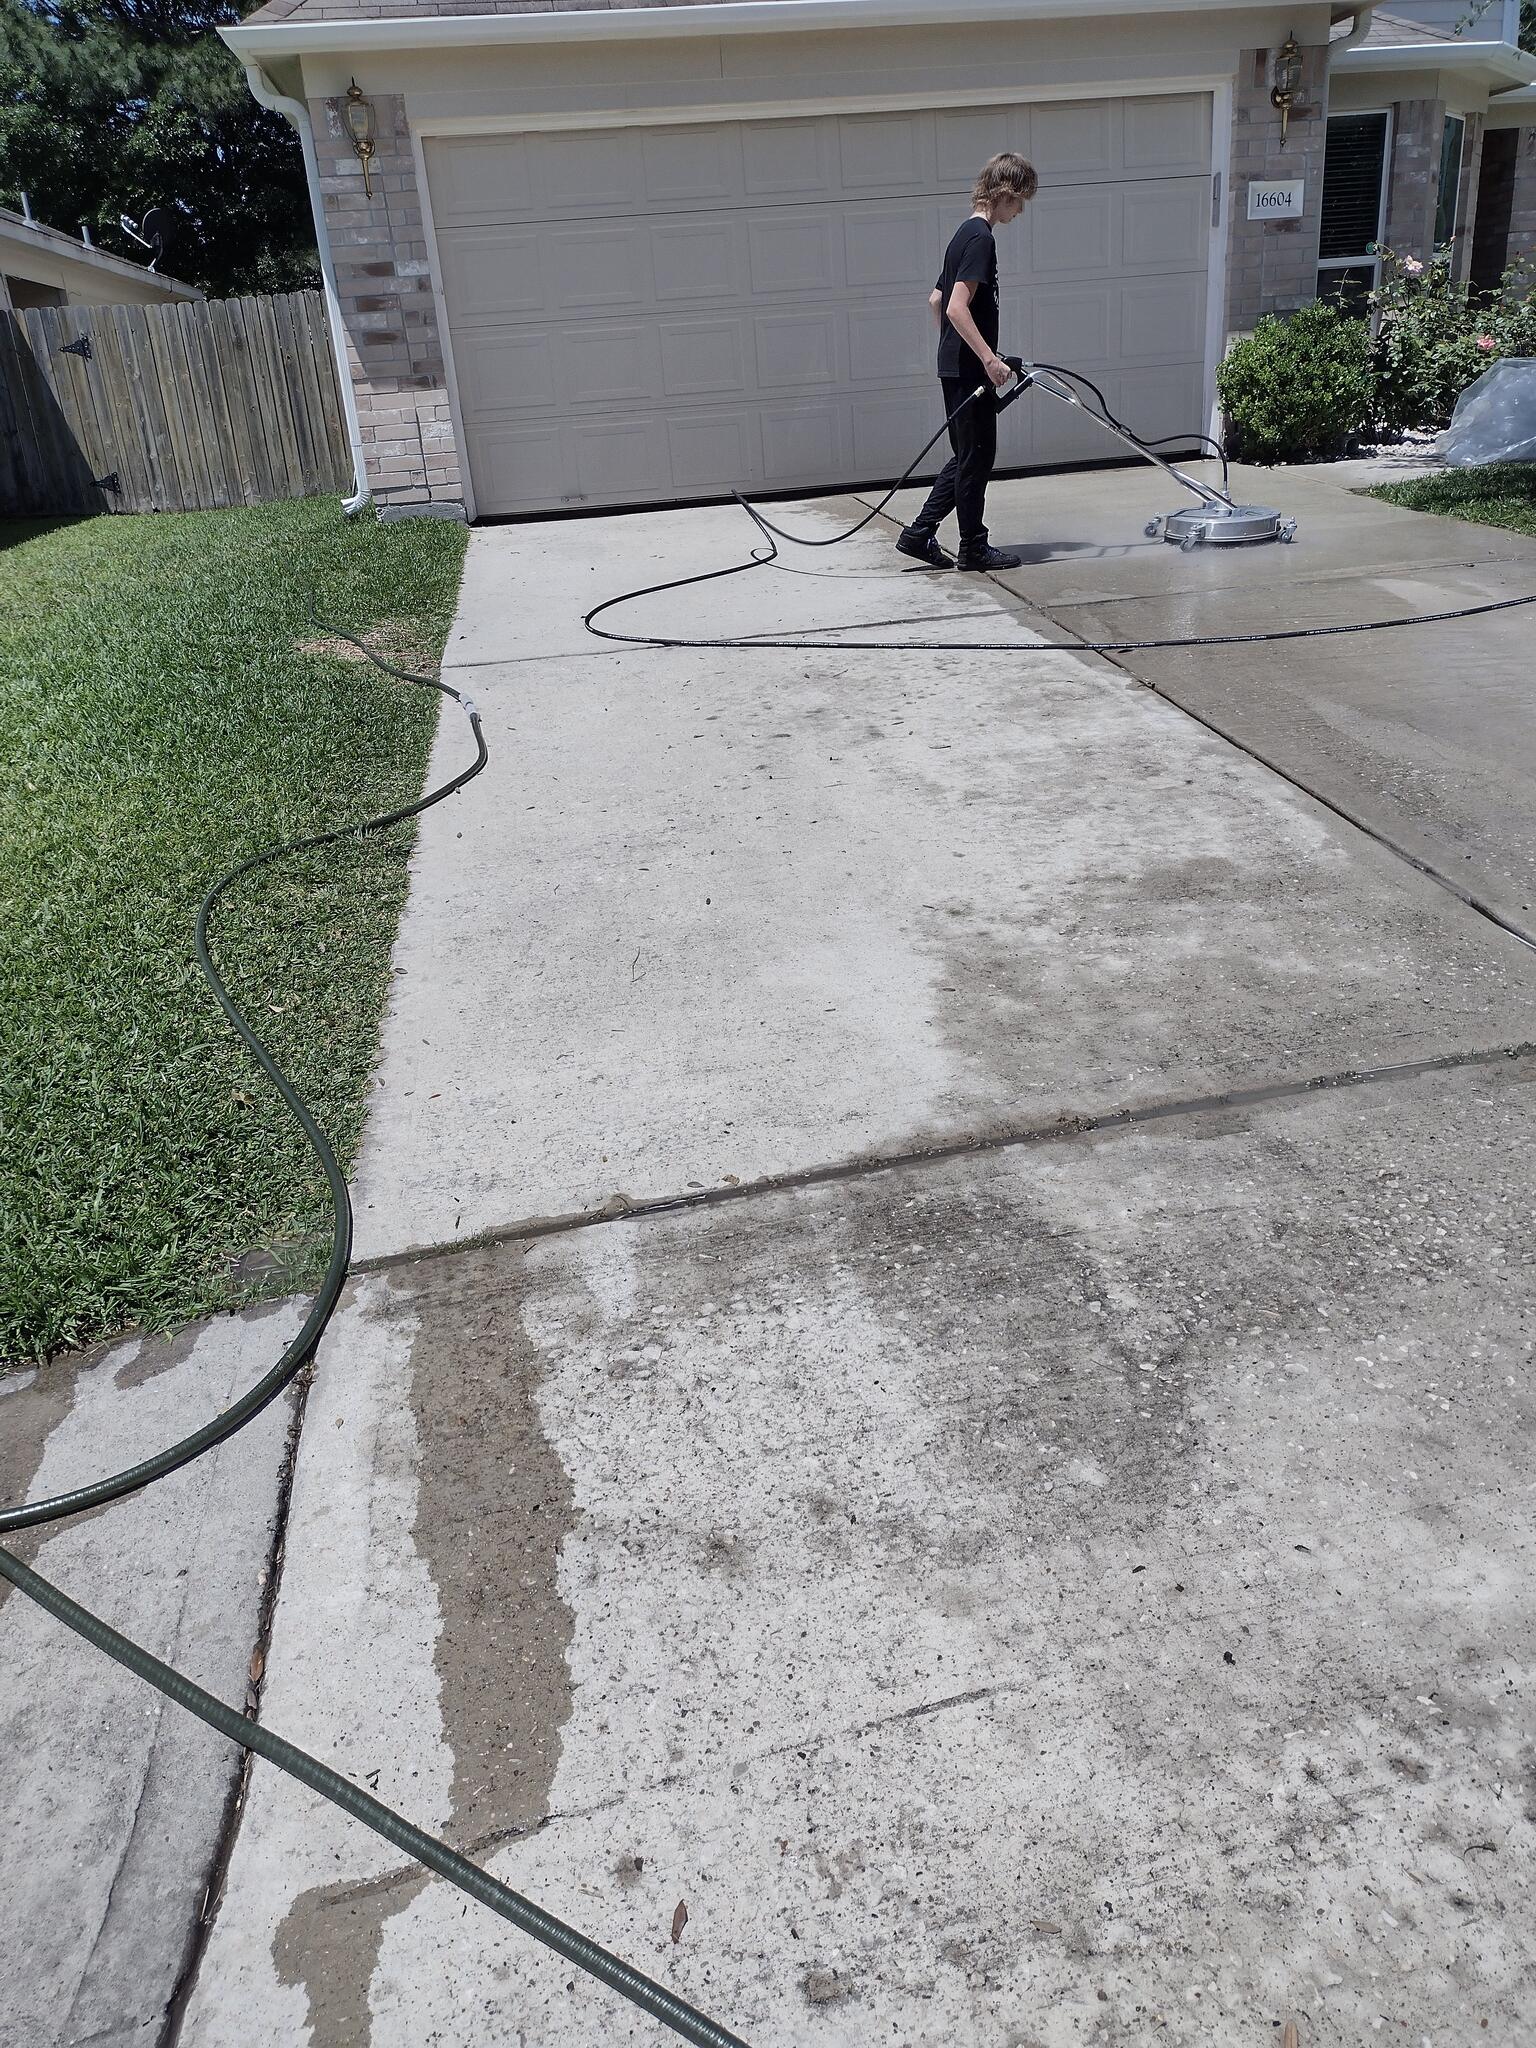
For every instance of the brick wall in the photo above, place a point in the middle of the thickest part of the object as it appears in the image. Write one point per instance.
(1272, 264)
(384, 283)
(1418, 126)
(1522, 204)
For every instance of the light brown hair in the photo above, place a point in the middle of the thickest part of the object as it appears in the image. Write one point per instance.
(1007, 172)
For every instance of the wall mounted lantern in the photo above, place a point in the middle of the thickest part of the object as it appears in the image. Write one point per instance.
(1288, 62)
(360, 125)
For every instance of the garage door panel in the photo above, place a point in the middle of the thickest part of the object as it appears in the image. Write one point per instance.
(782, 159)
(1165, 225)
(1161, 399)
(796, 350)
(491, 273)
(802, 440)
(885, 152)
(885, 436)
(705, 446)
(1071, 325)
(702, 358)
(747, 305)
(1076, 138)
(514, 464)
(478, 181)
(498, 368)
(609, 365)
(1167, 135)
(1072, 230)
(590, 170)
(694, 166)
(964, 138)
(614, 456)
(1162, 316)
(890, 245)
(887, 342)
(700, 259)
(797, 251)
(598, 267)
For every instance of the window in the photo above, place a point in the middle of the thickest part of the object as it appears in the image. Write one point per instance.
(1354, 207)
(1450, 179)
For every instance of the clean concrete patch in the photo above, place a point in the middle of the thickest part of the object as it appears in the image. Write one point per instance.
(113, 1801)
(1427, 735)
(1076, 1595)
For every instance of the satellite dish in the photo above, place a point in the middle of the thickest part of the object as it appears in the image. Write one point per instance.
(156, 231)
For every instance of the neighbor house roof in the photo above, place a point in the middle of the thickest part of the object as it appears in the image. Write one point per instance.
(1397, 29)
(19, 233)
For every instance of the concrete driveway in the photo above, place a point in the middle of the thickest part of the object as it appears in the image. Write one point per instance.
(982, 1447)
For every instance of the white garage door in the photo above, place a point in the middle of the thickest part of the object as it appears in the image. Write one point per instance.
(642, 314)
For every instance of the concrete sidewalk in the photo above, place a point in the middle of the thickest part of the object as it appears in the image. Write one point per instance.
(1071, 1589)
(113, 1804)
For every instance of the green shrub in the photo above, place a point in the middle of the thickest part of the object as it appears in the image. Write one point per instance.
(1297, 389)
(1433, 336)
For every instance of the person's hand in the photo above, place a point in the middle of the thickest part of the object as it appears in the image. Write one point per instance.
(998, 370)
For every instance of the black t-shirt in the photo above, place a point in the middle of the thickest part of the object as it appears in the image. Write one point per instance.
(971, 258)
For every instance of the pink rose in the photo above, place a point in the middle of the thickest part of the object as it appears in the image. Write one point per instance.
(1486, 342)
(1413, 266)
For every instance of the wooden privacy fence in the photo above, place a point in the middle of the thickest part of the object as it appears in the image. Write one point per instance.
(171, 408)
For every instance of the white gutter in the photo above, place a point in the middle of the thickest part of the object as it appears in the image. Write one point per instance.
(301, 38)
(296, 111)
(1493, 60)
(1356, 36)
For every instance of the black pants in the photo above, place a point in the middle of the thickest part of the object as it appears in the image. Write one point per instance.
(961, 485)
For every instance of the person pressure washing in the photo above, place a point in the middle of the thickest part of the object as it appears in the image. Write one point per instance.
(965, 304)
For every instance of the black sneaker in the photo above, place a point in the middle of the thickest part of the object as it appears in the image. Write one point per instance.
(922, 547)
(985, 556)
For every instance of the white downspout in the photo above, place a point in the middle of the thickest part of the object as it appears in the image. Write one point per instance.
(1358, 33)
(296, 111)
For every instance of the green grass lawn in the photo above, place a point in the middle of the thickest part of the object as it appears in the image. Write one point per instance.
(1501, 494)
(158, 723)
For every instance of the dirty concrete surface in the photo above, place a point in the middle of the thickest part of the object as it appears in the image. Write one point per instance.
(1074, 1590)
(112, 1802)
(1077, 1594)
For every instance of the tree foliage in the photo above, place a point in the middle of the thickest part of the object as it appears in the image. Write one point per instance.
(109, 107)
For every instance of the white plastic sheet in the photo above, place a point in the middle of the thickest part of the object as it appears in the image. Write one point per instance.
(1495, 418)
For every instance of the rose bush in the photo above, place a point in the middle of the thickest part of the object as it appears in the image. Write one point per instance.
(1432, 336)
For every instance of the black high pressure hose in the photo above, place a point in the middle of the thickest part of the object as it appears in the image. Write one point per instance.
(428, 1850)
(807, 641)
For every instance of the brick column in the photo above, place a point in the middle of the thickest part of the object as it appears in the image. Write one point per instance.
(1466, 198)
(1272, 264)
(1522, 204)
(1417, 129)
(384, 283)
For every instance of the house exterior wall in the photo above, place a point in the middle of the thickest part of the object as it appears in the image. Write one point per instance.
(384, 283)
(1272, 264)
(381, 245)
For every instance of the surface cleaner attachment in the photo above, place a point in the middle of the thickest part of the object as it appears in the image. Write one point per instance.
(1214, 522)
